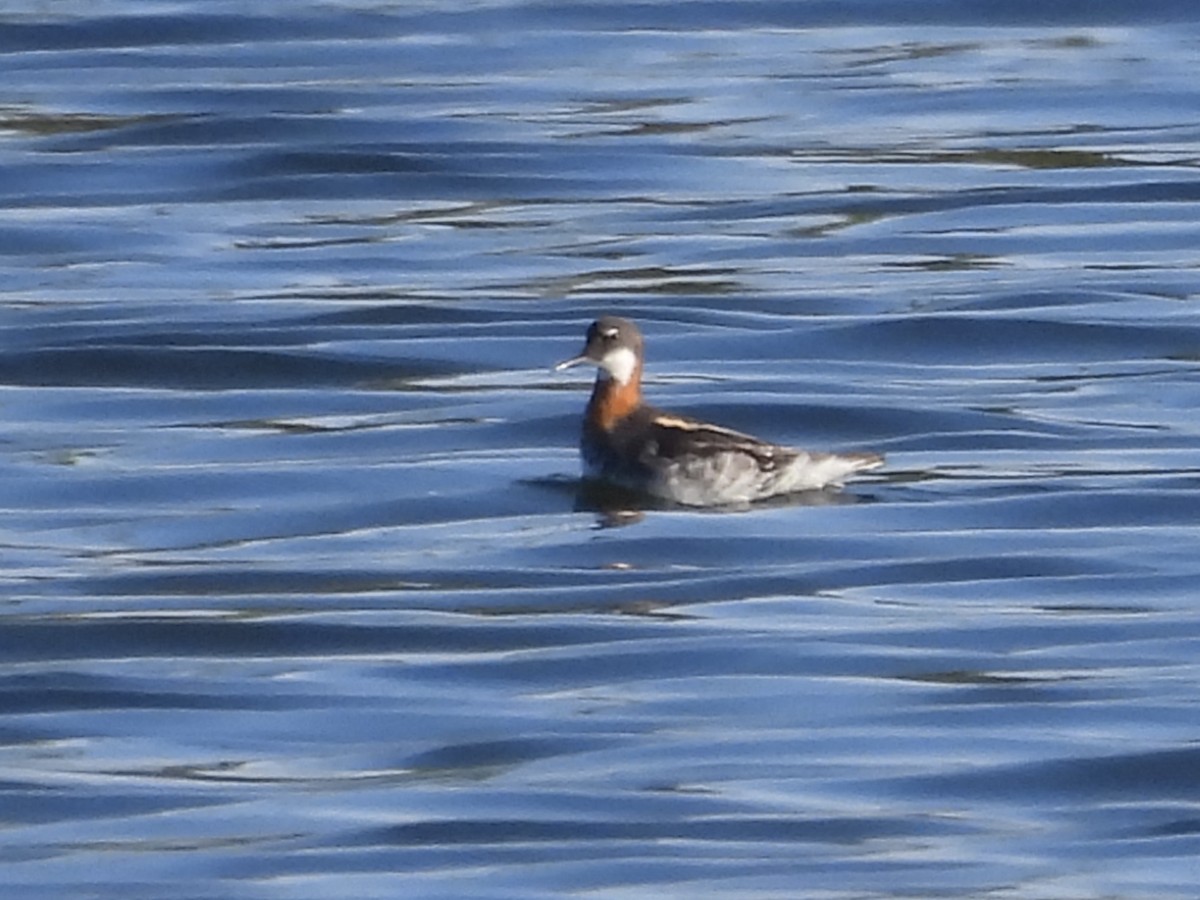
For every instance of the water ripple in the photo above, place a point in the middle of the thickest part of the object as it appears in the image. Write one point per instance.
(303, 596)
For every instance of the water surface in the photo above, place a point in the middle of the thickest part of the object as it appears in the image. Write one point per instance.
(303, 597)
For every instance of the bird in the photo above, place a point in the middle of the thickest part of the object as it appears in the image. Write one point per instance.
(630, 444)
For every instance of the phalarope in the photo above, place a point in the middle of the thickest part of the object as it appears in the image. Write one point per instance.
(633, 445)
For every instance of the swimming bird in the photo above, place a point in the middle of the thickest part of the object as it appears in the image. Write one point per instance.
(628, 443)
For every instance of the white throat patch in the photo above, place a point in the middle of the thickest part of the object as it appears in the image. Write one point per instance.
(619, 364)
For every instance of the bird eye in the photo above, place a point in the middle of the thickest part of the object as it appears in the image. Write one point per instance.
(610, 334)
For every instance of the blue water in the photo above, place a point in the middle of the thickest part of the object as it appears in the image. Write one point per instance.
(303, 598)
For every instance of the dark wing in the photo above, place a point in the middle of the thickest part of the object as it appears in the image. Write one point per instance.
(679, 437)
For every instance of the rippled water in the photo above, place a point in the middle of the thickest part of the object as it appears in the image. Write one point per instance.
(303, 597)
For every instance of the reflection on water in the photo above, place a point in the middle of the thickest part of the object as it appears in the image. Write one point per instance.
(304, 597)
(615, 506)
